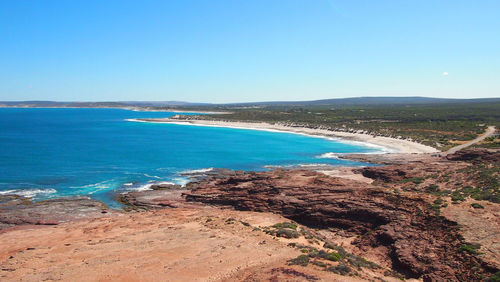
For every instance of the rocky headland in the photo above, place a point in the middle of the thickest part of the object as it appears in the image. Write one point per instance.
(428, 218)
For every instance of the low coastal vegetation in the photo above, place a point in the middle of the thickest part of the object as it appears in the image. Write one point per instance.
(319, 252)
(478, 178)
(438, 125)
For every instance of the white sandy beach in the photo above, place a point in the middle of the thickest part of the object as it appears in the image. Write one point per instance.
(386, 144)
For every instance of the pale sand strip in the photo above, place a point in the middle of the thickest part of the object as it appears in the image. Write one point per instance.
(386, 144)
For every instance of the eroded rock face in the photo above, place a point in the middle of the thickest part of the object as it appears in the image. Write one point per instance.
(385, 174)
(419, 243)
(16, 210)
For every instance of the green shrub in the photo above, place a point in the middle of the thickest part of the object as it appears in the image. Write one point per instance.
(329, 245)
(319, 263)
(416, 180)
(495, 277)
(432, 188)
(438, 201)
(245, 223)
(341, 269)
(457, 197)
(476, 206)
(437, 209)
(333, 256)
(287, 233)
(359, 262)
(290, 225)
(469, 248)
(302, 260)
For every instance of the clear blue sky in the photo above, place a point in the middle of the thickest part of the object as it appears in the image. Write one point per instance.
(232, 51)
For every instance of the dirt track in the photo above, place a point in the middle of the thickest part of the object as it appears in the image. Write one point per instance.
(489, 131)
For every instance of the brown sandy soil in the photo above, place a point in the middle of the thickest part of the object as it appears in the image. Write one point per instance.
(479, 226)
(183, 244)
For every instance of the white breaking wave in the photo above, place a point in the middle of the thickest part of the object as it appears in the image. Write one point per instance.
(313, 165)
(152, 176)
(181, 181)
(329, 156)
(104, 184)
(202, 170)
(28, 193)
(279, 166)
(90, 189)
(297, 166)
(148, 185)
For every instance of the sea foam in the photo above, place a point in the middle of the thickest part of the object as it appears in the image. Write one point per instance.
(29, 193)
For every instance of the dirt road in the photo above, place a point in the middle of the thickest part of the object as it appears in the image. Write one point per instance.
(489, 131)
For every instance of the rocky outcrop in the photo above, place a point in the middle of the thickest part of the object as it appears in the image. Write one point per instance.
(385, 174)
(476, 155)
(16, 210)
(419, 243)
(152, 199)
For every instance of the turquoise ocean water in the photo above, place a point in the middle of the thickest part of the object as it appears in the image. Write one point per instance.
(46, 153)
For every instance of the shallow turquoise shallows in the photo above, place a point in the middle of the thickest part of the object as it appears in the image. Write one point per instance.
(46, 153)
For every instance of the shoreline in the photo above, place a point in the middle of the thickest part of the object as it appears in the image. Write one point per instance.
(188, 233)
(179, 111)
(385, 144)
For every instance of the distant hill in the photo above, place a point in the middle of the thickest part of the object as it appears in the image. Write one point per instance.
(373, 101)
(326, 102)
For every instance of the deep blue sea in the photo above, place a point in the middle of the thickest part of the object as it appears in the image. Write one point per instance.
(46, 153)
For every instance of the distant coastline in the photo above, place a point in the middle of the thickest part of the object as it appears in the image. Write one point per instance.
(136, 109)
(386, 144)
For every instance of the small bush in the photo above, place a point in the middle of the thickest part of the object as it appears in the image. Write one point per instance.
(476, 206)
(361, 262)
(290, 225)
(329, 245)
(333, 256)
(245, 223)
(469, 248)
(319, 263)
(341, 269)
(287, 233)
(302, 260)
(432, 188)
(416, 180)
(457, 197)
